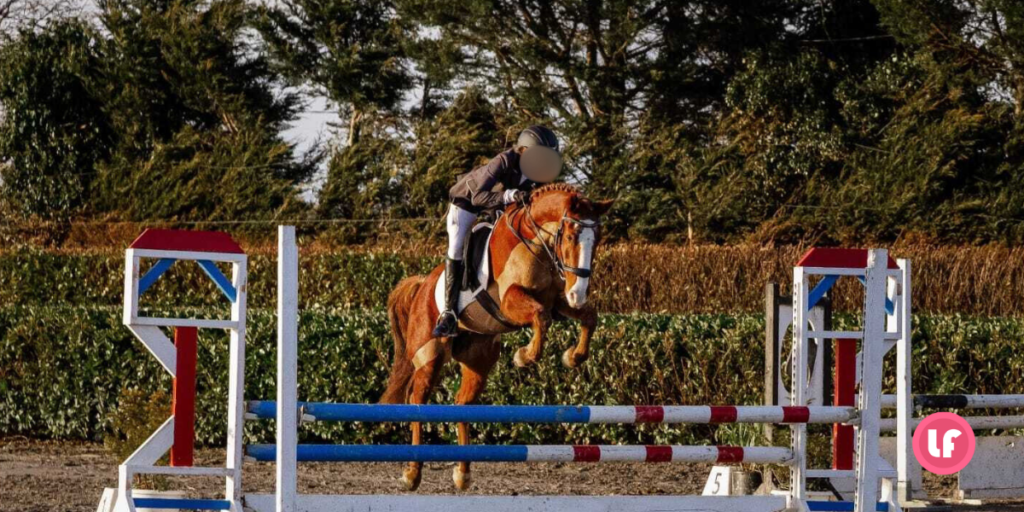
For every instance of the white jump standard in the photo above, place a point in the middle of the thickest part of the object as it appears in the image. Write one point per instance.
(179, 359)
(997, 470)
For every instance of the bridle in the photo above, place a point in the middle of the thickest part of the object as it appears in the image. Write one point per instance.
(553, 253)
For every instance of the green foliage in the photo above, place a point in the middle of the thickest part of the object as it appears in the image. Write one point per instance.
(199, 116)
(137, 416)
(597, 66)
(793, 121)
(183, 63)
(464, 135)
(213, 175)
(64, 370)
(363, 179)
(353, 52)
(348, 50)
(169, 112)
(52, 125)
(785, 121)
(347, 281)
(627, 279)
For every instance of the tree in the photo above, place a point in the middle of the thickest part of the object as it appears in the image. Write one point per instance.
(192, 97)
(467, 133)
(350, 51)
(16, 15)
(364, 179)
(53, 129)
(596, 67)
(985, 35)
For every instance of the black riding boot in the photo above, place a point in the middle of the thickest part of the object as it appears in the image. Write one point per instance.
(448, 321)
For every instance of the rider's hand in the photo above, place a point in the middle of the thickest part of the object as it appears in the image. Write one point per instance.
(521, 197)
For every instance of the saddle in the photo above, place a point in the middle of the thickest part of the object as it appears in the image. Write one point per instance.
(479, 308)
(475, 257)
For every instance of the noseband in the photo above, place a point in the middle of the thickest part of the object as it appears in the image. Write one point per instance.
(553, 253)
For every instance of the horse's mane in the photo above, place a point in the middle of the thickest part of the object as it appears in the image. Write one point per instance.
(555, 187)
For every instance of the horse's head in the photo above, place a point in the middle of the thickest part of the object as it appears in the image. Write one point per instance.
(575, 223)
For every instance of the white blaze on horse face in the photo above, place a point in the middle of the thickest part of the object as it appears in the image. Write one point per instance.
(577, 295)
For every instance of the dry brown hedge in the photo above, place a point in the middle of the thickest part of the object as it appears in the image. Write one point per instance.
(983, 281)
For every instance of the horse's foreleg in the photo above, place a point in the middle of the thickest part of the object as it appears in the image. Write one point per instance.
(476, 364)
(522, 309)
(423, 381)
(587, 317)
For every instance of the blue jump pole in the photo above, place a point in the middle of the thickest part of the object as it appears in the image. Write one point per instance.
(383, 413)
(530, 453)
(561, 414)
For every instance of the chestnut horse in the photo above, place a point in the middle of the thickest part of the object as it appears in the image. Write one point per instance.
(540, 257)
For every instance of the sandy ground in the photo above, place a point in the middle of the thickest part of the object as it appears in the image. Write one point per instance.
(54, 476)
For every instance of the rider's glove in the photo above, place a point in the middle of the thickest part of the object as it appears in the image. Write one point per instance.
(520, 197)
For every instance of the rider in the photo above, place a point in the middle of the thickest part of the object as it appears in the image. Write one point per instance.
(506, 179)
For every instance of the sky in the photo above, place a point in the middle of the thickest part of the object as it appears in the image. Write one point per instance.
(311, 125)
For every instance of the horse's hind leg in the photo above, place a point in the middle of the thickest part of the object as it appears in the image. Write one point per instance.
(477, 355)
(423, 381)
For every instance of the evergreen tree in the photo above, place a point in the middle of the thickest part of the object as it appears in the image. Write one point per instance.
(466, 134)
(364, 179)
(350, 51)
(52, 125)
(198, 114)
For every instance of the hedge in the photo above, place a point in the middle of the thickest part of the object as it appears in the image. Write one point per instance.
(62, 370)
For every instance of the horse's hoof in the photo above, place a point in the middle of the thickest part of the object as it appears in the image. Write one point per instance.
(567, 359)
(462, 480)
(520, 359)
(410, 480)
(570, 359)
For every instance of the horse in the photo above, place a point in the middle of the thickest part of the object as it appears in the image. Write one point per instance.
(541, 256)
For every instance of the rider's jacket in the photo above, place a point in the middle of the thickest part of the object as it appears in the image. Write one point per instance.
(481, 189)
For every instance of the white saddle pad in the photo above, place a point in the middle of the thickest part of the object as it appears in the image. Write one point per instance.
(483, 276)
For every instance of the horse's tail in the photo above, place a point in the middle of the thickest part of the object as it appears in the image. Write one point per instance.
(399, 305)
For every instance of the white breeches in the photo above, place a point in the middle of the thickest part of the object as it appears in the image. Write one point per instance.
(460, 223)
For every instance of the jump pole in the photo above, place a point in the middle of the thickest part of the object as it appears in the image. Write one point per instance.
(560, 414)
(287, 368)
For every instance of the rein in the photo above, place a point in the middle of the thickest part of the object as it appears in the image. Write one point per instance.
(553, 253)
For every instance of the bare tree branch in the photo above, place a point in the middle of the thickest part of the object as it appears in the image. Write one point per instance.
(31, 14)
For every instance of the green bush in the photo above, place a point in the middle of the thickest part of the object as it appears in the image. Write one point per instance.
(62, 370)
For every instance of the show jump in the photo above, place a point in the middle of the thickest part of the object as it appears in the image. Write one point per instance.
(884, 324)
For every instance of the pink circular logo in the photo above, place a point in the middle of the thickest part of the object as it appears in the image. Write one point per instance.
(943, 443)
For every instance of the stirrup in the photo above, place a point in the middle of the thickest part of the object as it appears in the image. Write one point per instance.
(447, 325)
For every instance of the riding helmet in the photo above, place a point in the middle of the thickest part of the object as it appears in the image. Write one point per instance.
(540, 161)
(538, 135)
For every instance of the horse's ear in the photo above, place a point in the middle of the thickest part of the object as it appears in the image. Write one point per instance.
(601, 207)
